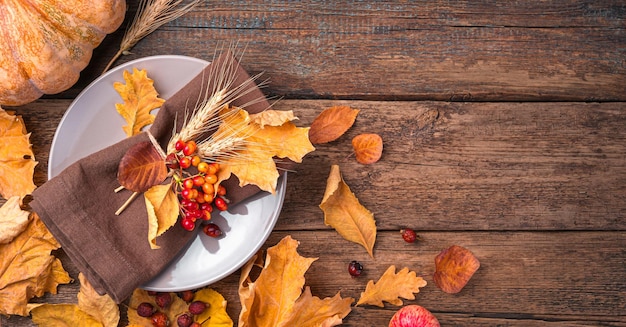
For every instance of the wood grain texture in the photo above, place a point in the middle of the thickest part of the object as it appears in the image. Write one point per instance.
(440, 50)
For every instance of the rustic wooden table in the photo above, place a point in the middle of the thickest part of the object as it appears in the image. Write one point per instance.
(504, 126)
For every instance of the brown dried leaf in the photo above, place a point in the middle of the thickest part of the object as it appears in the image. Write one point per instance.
(13, 220)
(344, 212)
(275, 298)
(141, 167)
(163, 209)
(28, 268)
(17, 161)
(368, 148)
(391, 287)
(140, 98)
(454, 267)
(331, 123)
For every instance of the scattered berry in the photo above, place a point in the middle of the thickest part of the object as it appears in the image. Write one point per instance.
(145, 309)
(159, 319)
(184, 320)
(355, 269)
(408, 235)
(187, 296)
(163, 299)
(197, 307)
(212, 230)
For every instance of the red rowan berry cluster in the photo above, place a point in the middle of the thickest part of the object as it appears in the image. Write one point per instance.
(195, 184)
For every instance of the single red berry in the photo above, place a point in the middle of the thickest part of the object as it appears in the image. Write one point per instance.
(145, 309)
(184, 320)
(184, 162)
(212, 230)
(188, 224)
(197, 307)
(160, 319)
(180, 144)
(163, 299)
(355, 269)
(189, 204)
(190, 148)
(408, 235)
(187, 296)
(188, 183)
(220, 204)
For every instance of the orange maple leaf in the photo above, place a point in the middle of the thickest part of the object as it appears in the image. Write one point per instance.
(140, 98)
(275, 298)
(391, 287)
(344, 212)
(17, 161)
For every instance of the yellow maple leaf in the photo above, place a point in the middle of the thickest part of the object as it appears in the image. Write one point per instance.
(163, 209)
(17, 161)
(28, 269)
(391, 287)
(275, 298)
(258, 142)
(344, 212)
(13, 220)
(140, 98)
(92, 309)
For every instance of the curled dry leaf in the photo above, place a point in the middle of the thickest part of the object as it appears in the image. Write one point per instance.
(140, 98)
(92, 309)
(273, 117)
(391, 287)
(28, 268)
(454, 267)
(368, 148)
(141, 167)
(331, 123)
(13, 220)
(17, 161)
(275, 298)
(163, 209)
(344, 212)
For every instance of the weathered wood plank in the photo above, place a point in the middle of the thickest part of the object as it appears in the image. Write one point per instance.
(442, 50)
(525, 279)
(461, 166)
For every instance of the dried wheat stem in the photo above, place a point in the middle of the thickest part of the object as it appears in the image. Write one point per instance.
(127, 203)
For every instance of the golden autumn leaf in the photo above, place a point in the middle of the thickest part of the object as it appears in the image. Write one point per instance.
(331, 123)
(163, 209)
(141, 167)
(344, 212)
(391, 287)
(13, 220)
(63, 315)
(92, 309)
(253, 161)
(215, 315)
(275, 298)
(28, 269)
(272, 117)
(140, 98)
(17, 161)
(454, 267)
(368, 148)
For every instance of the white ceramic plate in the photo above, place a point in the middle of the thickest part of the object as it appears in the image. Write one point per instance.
(91, 123)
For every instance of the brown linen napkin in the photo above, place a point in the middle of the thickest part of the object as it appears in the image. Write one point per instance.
(78, 205)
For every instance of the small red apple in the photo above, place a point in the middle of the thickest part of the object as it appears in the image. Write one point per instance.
(413, 316)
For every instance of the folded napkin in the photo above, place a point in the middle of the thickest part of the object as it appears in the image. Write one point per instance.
(78, 206)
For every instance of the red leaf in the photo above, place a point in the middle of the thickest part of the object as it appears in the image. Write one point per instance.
(141, 168)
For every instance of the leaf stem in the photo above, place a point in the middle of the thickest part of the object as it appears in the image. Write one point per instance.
(127, 203)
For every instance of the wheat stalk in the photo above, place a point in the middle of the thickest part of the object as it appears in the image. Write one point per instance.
(151, 14)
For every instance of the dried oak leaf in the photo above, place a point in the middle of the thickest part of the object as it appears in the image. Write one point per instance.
(162, 206)
(140, 98)
(331, 123)
(141, 167)
(275, 298)
(17, 161)
(391, 287)
(28, 269)
(92, 309)
(454, 267)
(368, 148)
(253, 163)
(344, 212)
(13, 220)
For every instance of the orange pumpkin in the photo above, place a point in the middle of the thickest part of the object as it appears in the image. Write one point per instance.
(45, 44)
